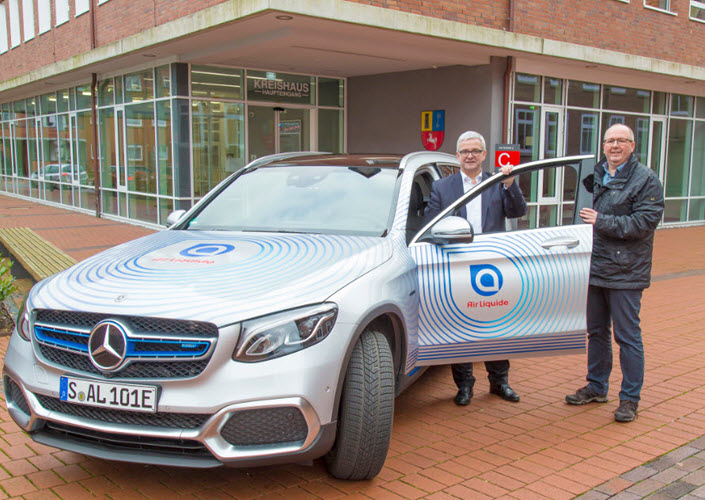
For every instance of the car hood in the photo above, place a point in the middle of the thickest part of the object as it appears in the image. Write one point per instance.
(215, 276)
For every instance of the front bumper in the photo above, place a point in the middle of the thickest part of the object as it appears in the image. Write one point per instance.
(238, 414)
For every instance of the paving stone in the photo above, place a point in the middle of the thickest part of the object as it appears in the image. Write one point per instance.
(645, 487)
(638, 474)
(674, 490)
(697, 477)
(670, 475)
(593, 495)
(661, 463)
(700, 492)
(698, 443)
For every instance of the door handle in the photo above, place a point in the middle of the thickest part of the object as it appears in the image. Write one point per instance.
(561, 241)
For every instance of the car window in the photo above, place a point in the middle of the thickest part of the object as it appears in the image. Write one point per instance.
(550, 194)
(306, 199)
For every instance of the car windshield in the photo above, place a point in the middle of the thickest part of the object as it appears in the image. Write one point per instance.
(304, 199)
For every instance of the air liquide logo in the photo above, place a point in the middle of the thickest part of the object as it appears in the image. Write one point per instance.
(486, 279)
(207, 250)
(201, 254)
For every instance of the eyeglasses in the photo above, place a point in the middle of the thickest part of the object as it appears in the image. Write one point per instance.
(474, 152)
(620, 141)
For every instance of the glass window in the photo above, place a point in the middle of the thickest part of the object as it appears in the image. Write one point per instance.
(527, 88)
(681, 105)
(218, 142)
(82, 6)
(697, 186)
(139, 86)
(20, 109)
(48, 103)
(62, 100)
(626, 99)
(13, 11)
(330, 130)
(696, 210)
(675, 211)
(31, 106)
(108, 151)
(162, 85)
(678, 160)
(331, 92)
(526, 131)
(659, 103)
(582, 132)
(305, 199)
(697, 10)
(106, 92)
(84, 148)
(700, 107)
(552, 90)
(83, 96)
(61, 11)
(216, 82)
(3, 28)
(165, 160)
(658, 4)
(44, 15)
(281, 87)
(583, 94)
(28, 19)
(139, 135)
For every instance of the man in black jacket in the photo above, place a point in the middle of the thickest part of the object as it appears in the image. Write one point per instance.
(627, 207)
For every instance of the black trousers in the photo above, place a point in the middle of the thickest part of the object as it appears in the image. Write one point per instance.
(497, 373)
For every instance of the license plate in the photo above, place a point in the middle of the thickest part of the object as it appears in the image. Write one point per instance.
(108, 395)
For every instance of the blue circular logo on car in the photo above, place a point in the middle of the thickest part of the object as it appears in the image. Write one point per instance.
(207, 250)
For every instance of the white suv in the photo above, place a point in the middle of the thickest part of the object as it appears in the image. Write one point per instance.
(276, 320)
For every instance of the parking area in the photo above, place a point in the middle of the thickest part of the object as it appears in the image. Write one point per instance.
(537, 448)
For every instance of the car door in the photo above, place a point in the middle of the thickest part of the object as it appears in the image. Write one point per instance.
(508, 294)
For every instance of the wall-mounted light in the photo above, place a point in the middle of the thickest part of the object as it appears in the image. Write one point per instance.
(283, 17)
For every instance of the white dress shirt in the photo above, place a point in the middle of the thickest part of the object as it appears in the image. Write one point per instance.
(474, 208)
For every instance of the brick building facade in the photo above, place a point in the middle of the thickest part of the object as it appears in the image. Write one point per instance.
(174, 106)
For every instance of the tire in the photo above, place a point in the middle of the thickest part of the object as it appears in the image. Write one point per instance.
(366, 411)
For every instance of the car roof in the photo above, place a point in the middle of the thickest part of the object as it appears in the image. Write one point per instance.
(333, 160)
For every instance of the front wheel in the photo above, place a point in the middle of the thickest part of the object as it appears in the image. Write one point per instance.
(366, 411)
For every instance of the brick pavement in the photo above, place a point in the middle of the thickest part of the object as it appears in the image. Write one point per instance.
(538, 448)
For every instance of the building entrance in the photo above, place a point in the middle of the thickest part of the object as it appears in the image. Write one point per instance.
(275, 129)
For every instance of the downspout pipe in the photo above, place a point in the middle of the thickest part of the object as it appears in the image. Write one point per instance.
(507, 105)
(94, 116)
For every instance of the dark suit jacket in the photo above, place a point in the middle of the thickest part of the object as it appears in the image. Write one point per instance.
(498, 204)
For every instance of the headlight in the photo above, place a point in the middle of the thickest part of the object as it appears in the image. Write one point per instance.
(283, 333)
(22, 323)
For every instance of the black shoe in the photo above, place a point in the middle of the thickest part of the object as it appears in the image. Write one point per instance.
(583, 396)
(626, 411)
(505, 392)
(463, 397)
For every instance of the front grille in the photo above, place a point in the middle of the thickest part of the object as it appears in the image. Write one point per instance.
(266, 426)
(157, 348)
(160, 326)
(163, 446)
(138, 369)
(14, 393)
(166, 420)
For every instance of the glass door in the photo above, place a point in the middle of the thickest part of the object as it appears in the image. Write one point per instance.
(550, 180)
(277, 130)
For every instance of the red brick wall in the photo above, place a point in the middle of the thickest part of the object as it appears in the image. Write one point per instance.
(609, 24)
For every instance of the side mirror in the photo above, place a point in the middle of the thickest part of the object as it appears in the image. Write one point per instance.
(452, 229)
(174, 217)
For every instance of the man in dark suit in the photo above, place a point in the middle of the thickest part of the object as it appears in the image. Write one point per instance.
(487, 213)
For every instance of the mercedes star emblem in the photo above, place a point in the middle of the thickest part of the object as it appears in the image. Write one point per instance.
(107, 345)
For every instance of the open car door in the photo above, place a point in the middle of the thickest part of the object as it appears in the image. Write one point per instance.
(508, 294)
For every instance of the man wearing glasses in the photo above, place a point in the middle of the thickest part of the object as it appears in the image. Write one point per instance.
(627, 207)
(486, 213)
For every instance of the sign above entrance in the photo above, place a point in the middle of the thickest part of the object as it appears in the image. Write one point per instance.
(280, 87)
(506, 154)
(433, 124)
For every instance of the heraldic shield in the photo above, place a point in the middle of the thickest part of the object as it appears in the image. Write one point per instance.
(433, 124)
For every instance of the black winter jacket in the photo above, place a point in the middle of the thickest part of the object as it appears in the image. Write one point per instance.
(629, 209)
